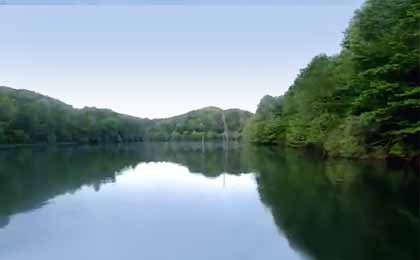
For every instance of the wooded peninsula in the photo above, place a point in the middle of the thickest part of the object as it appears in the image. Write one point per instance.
(362, 102)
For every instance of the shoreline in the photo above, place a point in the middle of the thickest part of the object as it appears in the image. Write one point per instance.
(392, 162)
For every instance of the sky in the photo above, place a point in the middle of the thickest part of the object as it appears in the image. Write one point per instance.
(160, 60)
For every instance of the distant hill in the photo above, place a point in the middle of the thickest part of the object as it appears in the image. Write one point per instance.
(206, 122)
(27, 117)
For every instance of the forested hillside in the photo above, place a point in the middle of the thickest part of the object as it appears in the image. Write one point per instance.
(364, 101)
(27, 117)
(212, 123)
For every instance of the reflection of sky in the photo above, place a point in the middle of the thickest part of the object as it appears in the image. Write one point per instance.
(179, 175)
(154, 211)
(158, 61)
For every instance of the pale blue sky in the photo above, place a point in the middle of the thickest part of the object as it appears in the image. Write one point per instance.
(158, 61)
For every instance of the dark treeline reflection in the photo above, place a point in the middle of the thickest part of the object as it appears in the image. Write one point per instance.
(210, 160)
(339, 209)
(327, 209)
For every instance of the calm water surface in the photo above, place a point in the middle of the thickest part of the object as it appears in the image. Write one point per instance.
(160, 201)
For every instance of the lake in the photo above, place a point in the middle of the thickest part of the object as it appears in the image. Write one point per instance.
(161, 201)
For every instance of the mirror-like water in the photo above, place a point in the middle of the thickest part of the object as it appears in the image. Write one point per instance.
(160, 201)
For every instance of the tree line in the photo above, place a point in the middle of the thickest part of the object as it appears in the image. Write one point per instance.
(27, 117)
(203, 124)
(364, 101)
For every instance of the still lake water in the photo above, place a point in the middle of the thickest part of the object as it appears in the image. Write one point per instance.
(162, 201)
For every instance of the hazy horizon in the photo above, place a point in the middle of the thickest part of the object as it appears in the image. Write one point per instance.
(160, 61)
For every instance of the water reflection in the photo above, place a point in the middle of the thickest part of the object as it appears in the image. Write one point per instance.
(29, 177)
(325, 209)
(339, 209)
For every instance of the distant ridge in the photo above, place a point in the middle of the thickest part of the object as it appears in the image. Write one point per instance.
(28, 117)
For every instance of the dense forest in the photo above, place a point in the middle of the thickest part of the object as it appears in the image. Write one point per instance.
(362, 102)
(27, 117)
(210, 123)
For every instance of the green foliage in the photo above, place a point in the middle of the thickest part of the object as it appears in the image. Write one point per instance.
(266, 126)
(363, 101)
(204, 123)
(348, 139)
(384, 39)
(30, 118)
